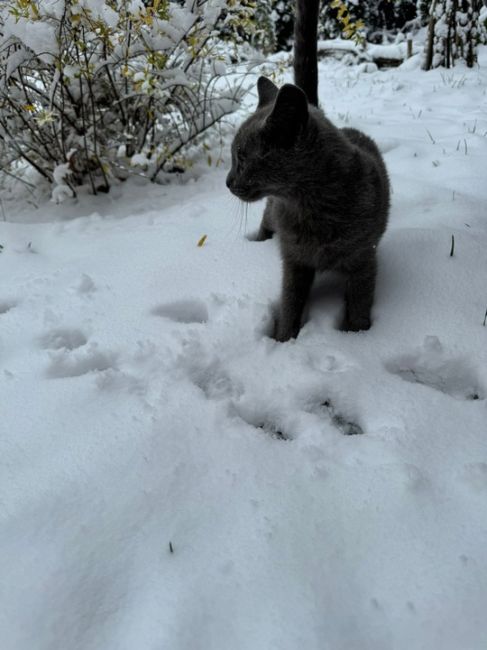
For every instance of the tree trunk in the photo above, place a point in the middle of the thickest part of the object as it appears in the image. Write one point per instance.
(428, 62)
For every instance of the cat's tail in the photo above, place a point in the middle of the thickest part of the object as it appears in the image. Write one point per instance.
(305, 48)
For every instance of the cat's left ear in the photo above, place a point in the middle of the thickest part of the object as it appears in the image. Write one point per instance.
(289, 115)
(267, 91)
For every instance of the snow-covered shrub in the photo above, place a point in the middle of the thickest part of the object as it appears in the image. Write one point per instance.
(356, 20)
(264, 36)
(89, 88)
(483, 25)
(274, 22)
(453, 33)
(423, 11)
(349, 25)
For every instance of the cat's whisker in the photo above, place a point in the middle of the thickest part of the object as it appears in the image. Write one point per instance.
(243, 218)
(236, 218)
(233, 210)
(240, 216)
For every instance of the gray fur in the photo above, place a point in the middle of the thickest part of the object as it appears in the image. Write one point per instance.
(327, 195)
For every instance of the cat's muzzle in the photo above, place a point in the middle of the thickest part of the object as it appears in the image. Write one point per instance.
(243, 192)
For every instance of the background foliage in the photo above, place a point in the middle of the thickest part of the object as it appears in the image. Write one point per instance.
(95, 90)
(91, 90)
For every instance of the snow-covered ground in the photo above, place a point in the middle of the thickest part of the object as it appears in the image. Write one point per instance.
(172, 478)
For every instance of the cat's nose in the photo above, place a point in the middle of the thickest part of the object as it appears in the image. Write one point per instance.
(230, 180)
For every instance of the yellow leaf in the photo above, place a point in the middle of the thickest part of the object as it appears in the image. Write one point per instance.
(202, 240)
(29, 107)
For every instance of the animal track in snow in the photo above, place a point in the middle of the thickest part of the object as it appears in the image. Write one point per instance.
(86, 285)
(63, 338)
(183, 311)
(430, 366)
(475, 475)
(346, 426)
(86, 359)
(214, 383)
(6, 305)
(264, 422)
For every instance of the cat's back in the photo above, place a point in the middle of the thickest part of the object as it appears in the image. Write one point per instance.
(362, 140)
(373, 163)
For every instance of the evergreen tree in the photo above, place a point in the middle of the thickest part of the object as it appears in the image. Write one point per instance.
(453, 33)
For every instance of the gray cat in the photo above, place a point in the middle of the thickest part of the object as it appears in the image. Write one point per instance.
(327, 189)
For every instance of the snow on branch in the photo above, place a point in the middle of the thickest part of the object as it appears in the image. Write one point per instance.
(90, 88)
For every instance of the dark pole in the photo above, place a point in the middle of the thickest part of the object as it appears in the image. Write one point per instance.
(306, 48)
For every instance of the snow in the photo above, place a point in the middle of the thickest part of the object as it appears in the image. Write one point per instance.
(100, 11)
(15, 60)
(338, 44)
(139, 159)
(39, 36)
(396, 51)
(173, 478)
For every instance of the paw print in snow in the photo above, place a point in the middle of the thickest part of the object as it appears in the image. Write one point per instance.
(431, 366)
(183, 311)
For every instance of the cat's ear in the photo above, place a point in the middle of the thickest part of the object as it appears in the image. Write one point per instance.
(267, 91)
(289, 115)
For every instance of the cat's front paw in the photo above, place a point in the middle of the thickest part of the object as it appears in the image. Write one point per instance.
(283, 333)
(355, 324)
(281, 337)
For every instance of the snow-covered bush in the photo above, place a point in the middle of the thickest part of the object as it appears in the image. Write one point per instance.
(423, 11)
(483, 25)
(453, 33)
(354, 19)
(90, 88)
(264, 36)
(274, 22)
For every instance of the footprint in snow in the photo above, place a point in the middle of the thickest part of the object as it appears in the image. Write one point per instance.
(340, 421)
(183, 311)
(213, 381)
(263, 423)
(7, 305)
(63, 338)
(79, 361)
(275, 428)
(430, 366)
(475, 476)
